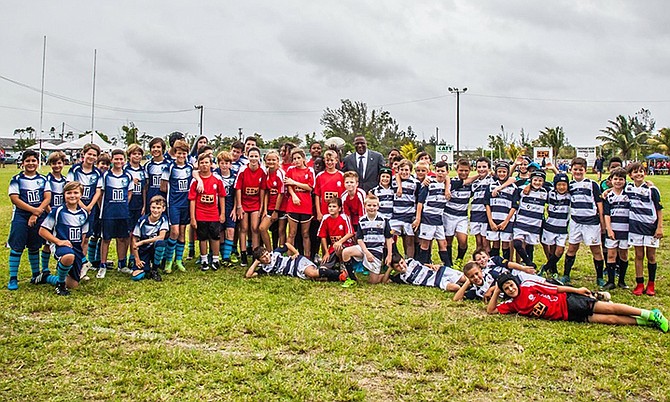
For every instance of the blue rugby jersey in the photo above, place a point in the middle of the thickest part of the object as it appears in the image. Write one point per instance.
(530, 210)
(56, 186)
(617, 207)
(179, 182)
(645, 201)
(502, 204)
(115, 195)
(229, 185)
(457, 206)
(90, 181)
(374, 233)
(67, 225)
(558, 212)
(404, 207)
(145, 229)
(140, 174)
(30, 190)
(584, 199)
(154, 173)
(433, 200)
(478, 207)
(385, 196)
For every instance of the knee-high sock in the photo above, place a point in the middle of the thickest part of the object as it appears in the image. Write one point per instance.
(63, 271)
(449, 257)
(518, 246)
(14, 261)
(623, 267)
(169, 249)
(611, 269)
(599, 265)
(444, 257)
(652, 271)
(461, 253)
(98, 249)
(569, 262)
(227, 249)
(530, 251)
(191, 247)
(495, 251)
(122, 262)
(506, 252)
(159, 251)
(46, 256)
(179, 251)
(349, 266)
(53, 279)
(92, 249)
(551, 263)
(34, 260)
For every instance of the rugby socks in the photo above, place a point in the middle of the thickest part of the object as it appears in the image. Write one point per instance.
(191, 248)
(423, 256)
(330, 274)
(495, 251)
(14, 261)
(204, 258)
(179, 251)
(599, 264)
(623, 267)
(611, 269)
(46, 256)
(444, 257)
(62, 271)
(646, 314)
(461, 253)
(53, 279)
(349, 266)
(34, 260)
(92, 250)
(227, 249)
(551, 263)
(530, 251)
(569, 262)
(643, 322)
(518, 246)
(96, 256)
(122, 263)
(159, 251)
(131, 261)
(652, 271)
(449, 257)
(169, 249)
(506, 252)
(215, 258)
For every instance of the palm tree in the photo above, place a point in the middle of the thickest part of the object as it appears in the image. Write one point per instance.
(554, 138)
(661, 141)
(623, 136)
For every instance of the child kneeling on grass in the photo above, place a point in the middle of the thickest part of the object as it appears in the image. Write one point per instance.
(412, 272)
(147, 242)
(549, 302)
(296, 265)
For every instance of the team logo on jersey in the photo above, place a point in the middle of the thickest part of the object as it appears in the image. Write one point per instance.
(274, 183)
(341, 227)
(306, 176)
(215, 186)
(334, 239)
(40, 182)
(538, 310)
(82, 219)
(328, 195)
(273, 191)
(339, 183)
(251, 190)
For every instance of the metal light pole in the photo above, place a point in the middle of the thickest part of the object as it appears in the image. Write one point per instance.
(202, 109)
(458, 93)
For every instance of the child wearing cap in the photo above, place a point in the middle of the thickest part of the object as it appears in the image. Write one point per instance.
(555, 227)
(529, 203)
(565, 303)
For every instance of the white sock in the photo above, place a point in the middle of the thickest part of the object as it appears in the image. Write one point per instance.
(215, 258)
(203, 258)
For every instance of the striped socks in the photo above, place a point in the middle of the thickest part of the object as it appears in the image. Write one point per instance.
(34, 260)
(169, 249)
(159, 251)
(14, 261)
(63, 270)
(179, 251)
(46, 256)
(227, 249)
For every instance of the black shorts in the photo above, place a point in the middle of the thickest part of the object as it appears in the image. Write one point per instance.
(300, 218)
(580, 307)
(208, 230)
(280, 214)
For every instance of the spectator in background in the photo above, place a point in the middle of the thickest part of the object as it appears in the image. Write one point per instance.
(315, 152)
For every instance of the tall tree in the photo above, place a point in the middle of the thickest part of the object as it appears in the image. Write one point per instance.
(661, 141)
(554, 138)
(625, 135)
(279, 141)
(129, 134)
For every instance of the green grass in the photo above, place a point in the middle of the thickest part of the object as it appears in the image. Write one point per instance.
(215, 336)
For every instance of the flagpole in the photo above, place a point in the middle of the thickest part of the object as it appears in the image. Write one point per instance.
(44, 61)
(95, 63)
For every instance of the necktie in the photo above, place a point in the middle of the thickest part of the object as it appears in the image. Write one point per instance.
(360, 167)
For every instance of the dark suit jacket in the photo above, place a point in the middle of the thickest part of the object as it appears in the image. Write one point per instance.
(375, 162)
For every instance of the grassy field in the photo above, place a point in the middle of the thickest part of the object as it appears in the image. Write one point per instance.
(215, 336)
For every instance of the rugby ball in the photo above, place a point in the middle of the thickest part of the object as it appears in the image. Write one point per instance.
(336, 142)
(137, 275)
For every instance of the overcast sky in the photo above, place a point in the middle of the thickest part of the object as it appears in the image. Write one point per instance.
(272, 67)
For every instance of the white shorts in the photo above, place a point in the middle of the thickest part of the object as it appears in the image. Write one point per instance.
(450, 276)
(375, 266)
(554, 239)
(431, 232)
(455, 224)
(529, 238)
(479, 228)
(498, 236)
(587, 234)
(611, 244)
(638, 240)
(401, 228)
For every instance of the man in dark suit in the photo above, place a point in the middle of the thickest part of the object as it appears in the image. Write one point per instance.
(365, 162)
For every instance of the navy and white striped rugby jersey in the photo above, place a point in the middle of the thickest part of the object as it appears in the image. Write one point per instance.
(502, 204)
(558, 212)
(115, 195)
(645, 201)
(138, 188)
(154, 173)
(145, 229)
(433, 200)
(374, 233)
(584, 199)
(179, 182)
(461, 193)
(617, 207)
(385, 196)
(530, 210)
(404, 207)
(478, 207)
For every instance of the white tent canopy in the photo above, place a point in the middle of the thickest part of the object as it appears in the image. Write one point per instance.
(46, 146)
(93, 138)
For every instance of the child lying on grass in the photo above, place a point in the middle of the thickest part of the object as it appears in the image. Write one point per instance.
(296, 265)
(412, 272)
(549, 302)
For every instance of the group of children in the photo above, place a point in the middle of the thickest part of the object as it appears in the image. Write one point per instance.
(238, 197)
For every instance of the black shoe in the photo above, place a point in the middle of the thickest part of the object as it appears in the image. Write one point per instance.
(155, 275)
(243, 260)
(609, 286)
(215, 265)
(204, 266)
(61, 290)
(622, 285)
(40, 279)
